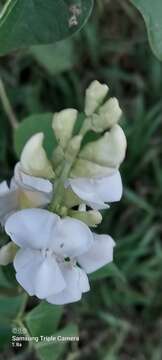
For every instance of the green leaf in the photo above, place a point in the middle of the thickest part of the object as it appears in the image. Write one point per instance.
(9, 310)
(45, 349)
(31, 125)
(5, 333)
(55, 58)
(10, 306)
(43, 319)
(31, 22)
(152, 14)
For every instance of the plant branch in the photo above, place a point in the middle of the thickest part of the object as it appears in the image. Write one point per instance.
(7, 106)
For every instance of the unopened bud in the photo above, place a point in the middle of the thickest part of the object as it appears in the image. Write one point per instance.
(34, 160)
(95, 95)
(91, 218)
(108, 151)
(63, 124)
(108, 115)
(85, 168)
(7, 253)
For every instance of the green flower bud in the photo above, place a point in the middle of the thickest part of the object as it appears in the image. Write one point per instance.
(95, 95)
(108, 151)
(108, 115)
(63, 124)
(7, 253)
(34, 160)
(85, 168)
(91, 218)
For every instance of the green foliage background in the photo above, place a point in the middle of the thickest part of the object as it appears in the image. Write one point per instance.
(121, 318)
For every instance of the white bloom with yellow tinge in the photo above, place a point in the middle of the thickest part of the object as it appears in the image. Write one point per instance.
(24, 191)
(102, 157)
(95, 177)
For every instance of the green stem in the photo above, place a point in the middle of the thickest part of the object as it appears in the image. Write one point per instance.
(7, 106)
(59, 187)
(23, 306)
(56, 204)
(85, 127)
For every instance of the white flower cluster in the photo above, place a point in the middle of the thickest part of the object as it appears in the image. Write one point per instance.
(50, 205)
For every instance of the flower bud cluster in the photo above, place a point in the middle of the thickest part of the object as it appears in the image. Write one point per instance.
(52, 205)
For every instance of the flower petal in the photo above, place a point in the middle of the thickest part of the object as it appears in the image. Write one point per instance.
(32, 228)
(110, 187)
(72, 237)
(85, 188)
(76, 283)
(31, 182)
(100, 254)
(97, 191)
(8, 201)
(49, 279)
(24, 257)
(38, 275)
(26, 275)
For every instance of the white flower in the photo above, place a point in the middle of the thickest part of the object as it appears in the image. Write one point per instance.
(51, 248)
(95, 192)
(24, 191)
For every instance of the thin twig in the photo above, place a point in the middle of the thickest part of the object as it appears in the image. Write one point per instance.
(7, 106)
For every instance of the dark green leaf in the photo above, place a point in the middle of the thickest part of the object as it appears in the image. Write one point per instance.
(44, 319)
(31, 22)
(10, 306)
(55, 58)
(152, 14)
(31, 125)
(56, 348)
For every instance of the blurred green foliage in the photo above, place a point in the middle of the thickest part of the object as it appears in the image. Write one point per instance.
(121, 318)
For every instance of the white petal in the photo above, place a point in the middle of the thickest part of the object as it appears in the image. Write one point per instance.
(3, 187)
(26, 274)
(30, 182)
(38, 275)
(97, 191)
(84, 283)
(110, 187)
(100, 254)
(32, 228)
(72, 237)
(49, 279)
(8, 201)
(33, 199)
(24, 257)
(85, 188)
(76, 283)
